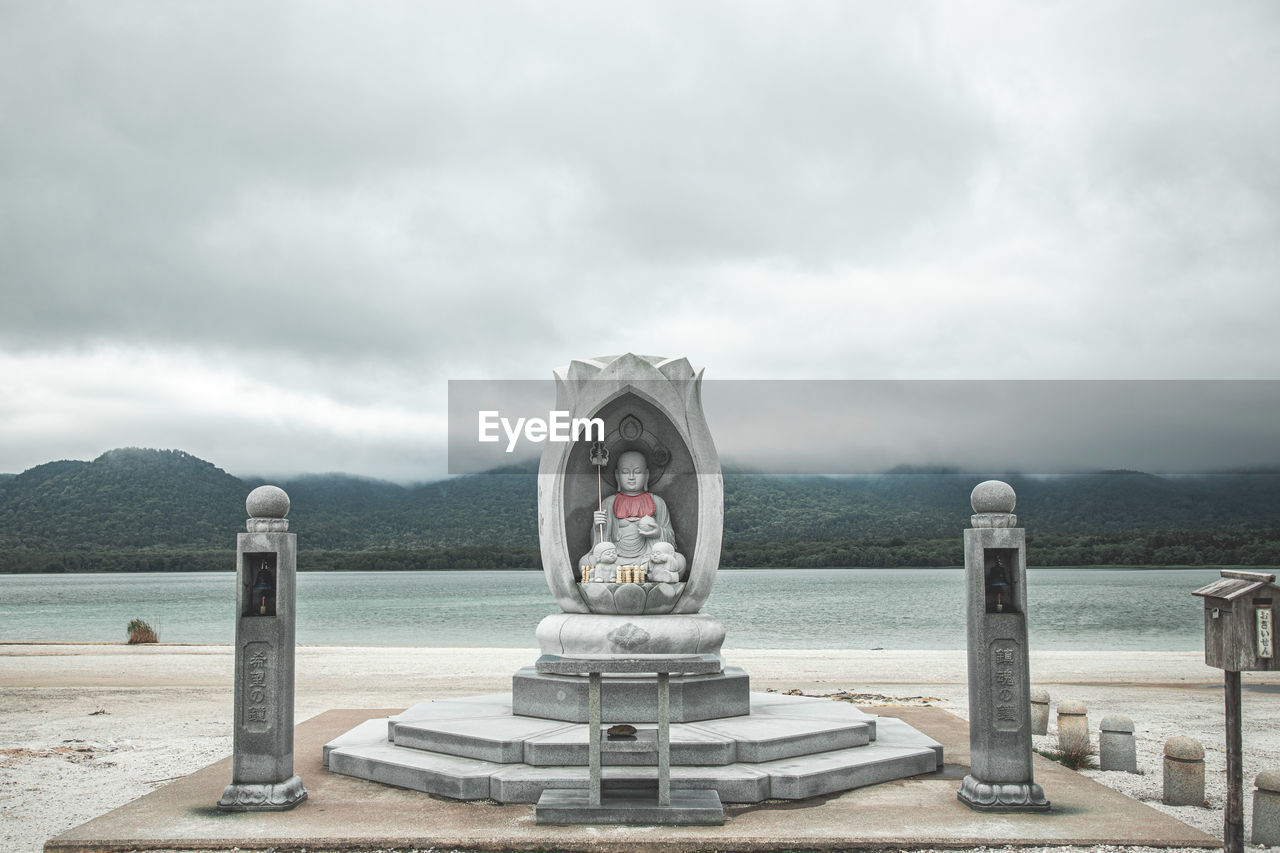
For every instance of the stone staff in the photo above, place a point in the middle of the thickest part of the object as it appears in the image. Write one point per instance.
(600, 458)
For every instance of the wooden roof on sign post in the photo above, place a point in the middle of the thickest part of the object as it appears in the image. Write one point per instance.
(1234, 584)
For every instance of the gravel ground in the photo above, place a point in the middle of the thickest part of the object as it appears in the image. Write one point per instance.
(85, 729)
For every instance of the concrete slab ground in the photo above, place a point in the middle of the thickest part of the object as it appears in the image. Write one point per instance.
(349, 814)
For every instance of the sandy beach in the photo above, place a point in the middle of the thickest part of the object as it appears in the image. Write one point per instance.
(87, 728)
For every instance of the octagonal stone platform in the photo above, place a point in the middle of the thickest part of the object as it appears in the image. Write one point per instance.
(631, 699)
(786, 747)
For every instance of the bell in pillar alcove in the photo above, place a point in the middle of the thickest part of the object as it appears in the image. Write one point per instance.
(263, 600)
(999, 586)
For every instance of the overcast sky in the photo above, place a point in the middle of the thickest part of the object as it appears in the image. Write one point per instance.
(269, 233)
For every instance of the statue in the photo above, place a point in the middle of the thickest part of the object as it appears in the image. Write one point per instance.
(665, 565)
(604, 559)
(637, 524)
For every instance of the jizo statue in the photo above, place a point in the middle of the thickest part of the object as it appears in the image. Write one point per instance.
(637, 524)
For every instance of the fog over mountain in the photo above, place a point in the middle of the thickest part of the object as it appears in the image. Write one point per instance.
(137, 509)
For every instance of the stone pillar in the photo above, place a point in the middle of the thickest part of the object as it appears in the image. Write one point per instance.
(1266, 809)
(1039, 711)
(1117, 748)
(1000, 777)
(1073, 727)
(1183, 772)
(262, 777)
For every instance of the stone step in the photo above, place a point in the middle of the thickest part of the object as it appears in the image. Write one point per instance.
(783, 705)
(368, 733)
(456, 708)
(572, 807)
(783, 738)
(743, 740)
(734, 783)
(472, 779)
(497, 739)
(690, 746)
(894, 732)
(532, 740)
(759, 738)
(827, 772)
(430, 772)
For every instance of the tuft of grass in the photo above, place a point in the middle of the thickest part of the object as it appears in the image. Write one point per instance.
(1078, 758)
(141, 632)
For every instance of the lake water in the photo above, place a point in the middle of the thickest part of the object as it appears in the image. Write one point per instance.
(761, 608)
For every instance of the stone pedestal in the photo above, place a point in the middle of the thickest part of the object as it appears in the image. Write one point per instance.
(588, 634)
(787, 748)
(630, 699)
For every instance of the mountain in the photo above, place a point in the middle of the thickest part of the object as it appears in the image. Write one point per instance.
(349, 513)
(130, 497)
(180, 511)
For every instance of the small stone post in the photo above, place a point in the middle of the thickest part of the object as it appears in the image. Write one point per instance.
(1266, 809)
(1183, 772)
(262, 777)
(1039, 711)
(1117, 747)
(995, 569)
(1073, 727)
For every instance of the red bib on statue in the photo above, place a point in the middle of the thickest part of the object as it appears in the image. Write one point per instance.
(633, 506)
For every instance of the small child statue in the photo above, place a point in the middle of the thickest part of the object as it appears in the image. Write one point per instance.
(664, 563)
(605, 558)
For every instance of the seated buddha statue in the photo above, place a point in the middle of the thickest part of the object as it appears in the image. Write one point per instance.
(638, 524)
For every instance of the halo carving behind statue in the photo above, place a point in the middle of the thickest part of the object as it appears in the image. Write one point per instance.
(630, 434)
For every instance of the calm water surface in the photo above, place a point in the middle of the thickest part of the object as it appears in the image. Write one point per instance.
(760, 608)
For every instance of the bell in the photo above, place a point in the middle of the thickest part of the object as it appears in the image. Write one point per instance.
(262, 587)
(999, 584)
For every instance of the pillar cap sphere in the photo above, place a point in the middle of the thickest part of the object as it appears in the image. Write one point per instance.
(1116, 723)
(991, 496)
(267, 502)
(1268, 780)
(1071, 706)
(1040, 695)
(1184, 748)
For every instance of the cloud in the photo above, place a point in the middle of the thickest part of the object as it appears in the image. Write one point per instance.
(363, 202)
(250, 422)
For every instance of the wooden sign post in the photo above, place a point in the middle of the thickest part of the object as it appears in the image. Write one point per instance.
(1239, 612)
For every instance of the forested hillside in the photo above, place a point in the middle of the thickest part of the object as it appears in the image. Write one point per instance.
(166, 510)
